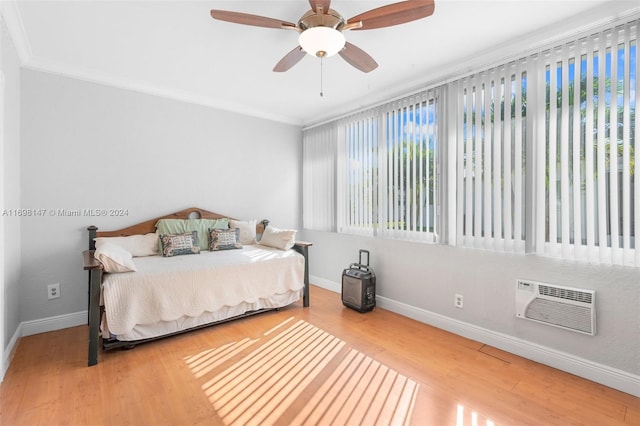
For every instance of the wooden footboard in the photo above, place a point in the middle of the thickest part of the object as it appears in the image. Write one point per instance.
(95, 271)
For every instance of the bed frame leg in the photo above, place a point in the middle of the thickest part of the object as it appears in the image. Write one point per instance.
(303, 249)
(95, 278)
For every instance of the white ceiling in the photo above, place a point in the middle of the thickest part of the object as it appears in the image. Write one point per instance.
(175, 48)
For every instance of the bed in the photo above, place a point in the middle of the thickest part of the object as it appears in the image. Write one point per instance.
(168, 292)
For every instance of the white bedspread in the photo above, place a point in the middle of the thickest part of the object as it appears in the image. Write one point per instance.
(168, 288)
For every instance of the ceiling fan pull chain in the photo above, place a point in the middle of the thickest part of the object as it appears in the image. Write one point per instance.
(321, 94)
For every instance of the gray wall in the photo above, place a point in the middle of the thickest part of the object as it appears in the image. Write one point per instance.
(89, 146)
(427, 276)
(11, 177)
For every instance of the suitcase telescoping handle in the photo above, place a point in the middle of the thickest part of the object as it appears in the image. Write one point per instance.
(360, 257)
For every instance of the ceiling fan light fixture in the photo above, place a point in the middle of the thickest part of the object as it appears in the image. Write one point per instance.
(321, 41)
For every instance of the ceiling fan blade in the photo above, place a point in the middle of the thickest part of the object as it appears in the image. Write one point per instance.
(358, 58)
(248, 19)
(325, 5)
(290, 59)
(394, 14)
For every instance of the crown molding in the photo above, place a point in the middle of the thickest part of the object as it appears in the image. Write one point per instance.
(107, 79)
(10, 15)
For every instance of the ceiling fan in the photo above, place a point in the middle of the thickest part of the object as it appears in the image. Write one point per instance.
(321, 29)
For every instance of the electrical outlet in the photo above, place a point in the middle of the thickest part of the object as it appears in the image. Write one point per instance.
(53, 291)
(458, 301)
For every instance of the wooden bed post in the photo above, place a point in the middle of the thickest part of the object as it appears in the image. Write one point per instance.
(92, 246)
(95, 276)
(92, 235)
(302, 247)
(94, 268)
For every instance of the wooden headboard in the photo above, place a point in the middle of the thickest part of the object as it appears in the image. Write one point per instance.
(149, 226)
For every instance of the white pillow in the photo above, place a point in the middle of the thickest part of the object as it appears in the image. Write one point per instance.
(114, 258)
(282, 239)
(137, 245)
(247, 230)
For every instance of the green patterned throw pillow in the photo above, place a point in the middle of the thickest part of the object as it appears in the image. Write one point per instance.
(224, 239)
(179, 244)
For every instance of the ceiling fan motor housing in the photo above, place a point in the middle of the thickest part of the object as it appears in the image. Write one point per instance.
(321, 34)
(331, 19)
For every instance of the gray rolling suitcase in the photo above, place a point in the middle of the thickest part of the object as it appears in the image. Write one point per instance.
(359, 285)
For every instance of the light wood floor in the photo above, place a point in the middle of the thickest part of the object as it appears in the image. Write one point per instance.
(461, 382)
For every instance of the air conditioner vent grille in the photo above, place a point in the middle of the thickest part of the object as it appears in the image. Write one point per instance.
(558, 313)
(567, 294)
(565, 307)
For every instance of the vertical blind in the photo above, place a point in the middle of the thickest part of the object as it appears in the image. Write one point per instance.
(409, 168)
(358, 140)
(491, 150)
(591, 162)
(318, 178)
(387, 166)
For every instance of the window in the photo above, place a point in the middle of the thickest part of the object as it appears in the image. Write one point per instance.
(591, 168)
(388, 185)
(574, 142)
(409, 181)
(540, 157)
(358, 180)
(491, 151)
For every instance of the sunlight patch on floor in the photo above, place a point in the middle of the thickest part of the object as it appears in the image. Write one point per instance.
(208, 360)
(361, 391)
(306, 366)
(470, 418)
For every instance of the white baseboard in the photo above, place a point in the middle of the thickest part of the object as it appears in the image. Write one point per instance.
(9, 351)
(43, 325)
(326, 284)
(608, 376)
(53, 323)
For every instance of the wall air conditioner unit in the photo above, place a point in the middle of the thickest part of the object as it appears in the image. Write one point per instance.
(565, 307)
